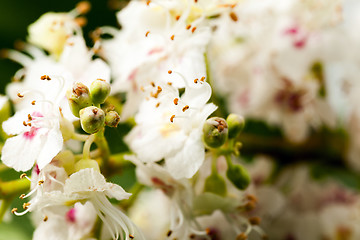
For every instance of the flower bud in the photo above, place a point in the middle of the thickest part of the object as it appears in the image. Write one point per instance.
(236, 124)
(99, 91)
(239, 176)
(87, 163)
(215, 132)
(78, 98)
(112, 119)
(67, 128)
(92, 119)
(66, 159)
(215, 184)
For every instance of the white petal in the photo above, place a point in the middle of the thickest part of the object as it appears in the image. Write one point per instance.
(152, 143)
(89, 180)
(20, 152)
(117, 192)
(14, 125)
(85, 180)
(188, 161)
(52, 145)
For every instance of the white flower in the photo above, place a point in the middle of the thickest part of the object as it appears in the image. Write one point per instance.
(52, 30)
(90, 185)
(74, 224)
(144, 50)
(38, 137)
(75, 64)
(170, 127)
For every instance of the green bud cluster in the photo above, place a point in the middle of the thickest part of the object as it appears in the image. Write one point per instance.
(85, 104)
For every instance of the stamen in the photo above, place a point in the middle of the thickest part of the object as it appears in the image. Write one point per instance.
(20, 95)
(172, 37)
(202, 79)
(169, 72)
(233, 16)
(152, 84)
(196, 80)
(45, 218)
(22, 196)
(83, 7)
(176, 101)
(251, 198)
(26, 205)
(41, 182)
(241, 236)
(193, 29)
(169, 83)
(169, 233)
(45, 77)
(188, 27)
(23, 175)
(157, 105)
(14, 210)
(177, 17)
(255, 220)
(33, 102)
(185, 108)
(172, 118)
(148, 2)
(81, 22)
(147, 33)
(29, 117)
(131, 236)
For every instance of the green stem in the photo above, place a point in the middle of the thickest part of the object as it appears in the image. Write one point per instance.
(213, 164)
(80, 137)
(103, 146)
(87, 145)
(4, 206)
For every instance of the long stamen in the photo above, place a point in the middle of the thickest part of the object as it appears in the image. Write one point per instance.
(19, 57)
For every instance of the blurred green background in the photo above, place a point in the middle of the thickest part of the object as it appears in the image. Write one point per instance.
(15, 16)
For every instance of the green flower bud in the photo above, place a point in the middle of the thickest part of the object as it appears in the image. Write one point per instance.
(236, 124)
(78, 98)
(215, 184)
(239, 176)
(66, 159)
(99, 91)
(92, 119)
(87, 163)
(67, 128)
(112, 119)
(215, 132)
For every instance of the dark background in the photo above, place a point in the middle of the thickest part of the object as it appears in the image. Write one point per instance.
(16, 15)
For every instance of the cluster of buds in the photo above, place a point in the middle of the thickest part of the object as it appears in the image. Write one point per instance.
(85, 103)
(219, 135)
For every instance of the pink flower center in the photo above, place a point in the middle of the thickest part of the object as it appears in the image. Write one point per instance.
(30, 134)
(70, 215)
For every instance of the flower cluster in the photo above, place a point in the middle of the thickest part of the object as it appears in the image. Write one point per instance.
(176, 83)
